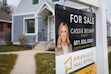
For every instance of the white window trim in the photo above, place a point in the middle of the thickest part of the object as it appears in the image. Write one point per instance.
(20, 14)
(55, 1)
(24, 26)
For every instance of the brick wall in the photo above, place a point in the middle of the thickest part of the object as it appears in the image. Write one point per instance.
(6, 27)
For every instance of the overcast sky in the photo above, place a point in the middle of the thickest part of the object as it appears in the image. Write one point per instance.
(108, 4)
(13, 2)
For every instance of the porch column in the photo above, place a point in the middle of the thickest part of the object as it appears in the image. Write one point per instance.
(36, 28)
(48, 30)
(51, 26)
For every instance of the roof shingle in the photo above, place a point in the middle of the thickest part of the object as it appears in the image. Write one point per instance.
(5, 16)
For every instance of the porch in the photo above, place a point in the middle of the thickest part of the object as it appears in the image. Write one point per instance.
(45, 22)
(45, 27)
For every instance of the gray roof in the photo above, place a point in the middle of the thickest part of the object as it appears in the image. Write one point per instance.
(4, 17)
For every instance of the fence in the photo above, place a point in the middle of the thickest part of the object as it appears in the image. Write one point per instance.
(5, 38)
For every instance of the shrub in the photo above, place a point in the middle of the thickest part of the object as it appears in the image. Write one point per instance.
(21, 39)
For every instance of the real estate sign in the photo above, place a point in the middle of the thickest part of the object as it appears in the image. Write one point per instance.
(75, 40)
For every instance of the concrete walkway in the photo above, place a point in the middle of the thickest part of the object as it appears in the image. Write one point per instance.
(25, 63)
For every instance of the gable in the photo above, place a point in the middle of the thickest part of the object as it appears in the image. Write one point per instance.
(26, 6)
(45, 8)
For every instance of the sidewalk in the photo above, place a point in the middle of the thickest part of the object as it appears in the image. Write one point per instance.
(25, 63)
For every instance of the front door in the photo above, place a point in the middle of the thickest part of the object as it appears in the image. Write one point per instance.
(42, 29)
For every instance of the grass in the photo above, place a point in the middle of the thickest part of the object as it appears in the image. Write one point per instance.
(12, 48)
(45, 63)
(7, 62)
(109, 60)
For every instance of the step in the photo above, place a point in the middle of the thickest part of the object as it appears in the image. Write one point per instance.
(41, 45)
(44, 46)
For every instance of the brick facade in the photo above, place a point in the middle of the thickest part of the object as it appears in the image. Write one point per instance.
(6, 27)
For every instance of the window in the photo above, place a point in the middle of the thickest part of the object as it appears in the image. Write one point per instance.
(29, 26)
(9, 25)
(54, 0)
(34, 1)
(1, 27)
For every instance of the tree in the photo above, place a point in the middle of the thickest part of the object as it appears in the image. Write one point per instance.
(4, 7)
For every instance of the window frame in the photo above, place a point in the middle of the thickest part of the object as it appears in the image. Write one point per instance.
(55, 0)
(25, 28)
(35, 3)
(1, 25)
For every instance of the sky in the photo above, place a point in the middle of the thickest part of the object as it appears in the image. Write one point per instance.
(13, 2)
(108, 6)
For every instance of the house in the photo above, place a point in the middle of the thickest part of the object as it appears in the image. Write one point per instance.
(5, 28)
(108, 28)
(108, 32)
(5, 22)
(35, 19)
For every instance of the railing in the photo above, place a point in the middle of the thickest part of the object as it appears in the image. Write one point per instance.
(44, 37)
(5, 38)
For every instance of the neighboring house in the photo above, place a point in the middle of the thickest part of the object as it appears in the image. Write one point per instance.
(5, 28)
(1, 3)
(35, 19)
(108, 32)
(5, 22)
(108, 28)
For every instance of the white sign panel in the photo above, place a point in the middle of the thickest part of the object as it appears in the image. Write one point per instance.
(70, 62)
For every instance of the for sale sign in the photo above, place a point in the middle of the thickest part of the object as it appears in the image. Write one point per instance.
(75, 39)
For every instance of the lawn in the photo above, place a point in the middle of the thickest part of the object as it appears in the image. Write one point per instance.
(45, 63)
(109, 60)
(13, 48)
(7, 62)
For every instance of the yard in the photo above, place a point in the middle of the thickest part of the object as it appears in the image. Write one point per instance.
(45, 63)
(13, 48)
(109, 58)
(7, 62)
